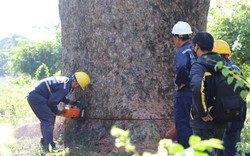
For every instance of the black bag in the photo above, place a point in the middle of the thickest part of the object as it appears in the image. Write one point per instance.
(223, 98)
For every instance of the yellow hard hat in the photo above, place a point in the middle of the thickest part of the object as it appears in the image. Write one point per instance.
(221, 47)
(82, 78)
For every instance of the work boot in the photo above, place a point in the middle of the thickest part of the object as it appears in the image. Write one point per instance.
(42, 142)
(56, 150)
(43, 147)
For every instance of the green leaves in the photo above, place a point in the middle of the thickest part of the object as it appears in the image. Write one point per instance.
(28, 58)
(202, 145)
(39, 70)
(229, 20)
(166, 146)
(218, 66)
(234, 74)
(230, 80)
(123, 140)
(176, 148)
(194, 140)
(225, 72)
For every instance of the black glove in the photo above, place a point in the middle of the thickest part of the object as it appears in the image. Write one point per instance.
(59, 113)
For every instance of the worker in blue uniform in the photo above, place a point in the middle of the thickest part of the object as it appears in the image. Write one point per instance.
(183, 97)
(234, 128)
(45, 97)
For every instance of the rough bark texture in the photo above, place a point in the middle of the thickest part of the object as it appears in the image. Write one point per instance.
(126, 47)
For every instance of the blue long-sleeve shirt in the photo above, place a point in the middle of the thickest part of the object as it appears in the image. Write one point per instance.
(184, 59)
(53, 90)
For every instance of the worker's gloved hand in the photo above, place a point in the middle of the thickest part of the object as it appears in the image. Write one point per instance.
(59, 113)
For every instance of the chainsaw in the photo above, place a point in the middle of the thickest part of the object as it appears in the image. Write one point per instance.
(73, 110)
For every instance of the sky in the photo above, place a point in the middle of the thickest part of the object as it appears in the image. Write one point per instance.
(28, 18)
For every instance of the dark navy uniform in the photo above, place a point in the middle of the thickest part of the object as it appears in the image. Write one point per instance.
(233, 130)
(200, 108)
(43, 100)
(183, 96)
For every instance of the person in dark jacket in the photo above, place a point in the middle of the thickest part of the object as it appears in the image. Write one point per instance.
(201, 121)
(234, 128)
(183, 97)
(45, 97)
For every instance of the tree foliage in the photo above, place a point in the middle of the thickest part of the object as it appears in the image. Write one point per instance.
(28, 56)
(229, 20)
(166, 147)
(5, 44)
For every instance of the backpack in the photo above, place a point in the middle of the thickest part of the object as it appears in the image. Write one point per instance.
(223, 99)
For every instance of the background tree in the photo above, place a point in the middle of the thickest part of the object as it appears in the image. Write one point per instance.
(26, 56)
(3, 57)
(127, 49)
(229, 20)
(5, 44)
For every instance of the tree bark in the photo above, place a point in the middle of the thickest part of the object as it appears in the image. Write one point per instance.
(126, 48)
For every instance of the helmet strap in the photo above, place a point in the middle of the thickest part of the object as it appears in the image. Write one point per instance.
(73, 77)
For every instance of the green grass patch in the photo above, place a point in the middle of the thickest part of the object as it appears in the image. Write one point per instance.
(14, 108)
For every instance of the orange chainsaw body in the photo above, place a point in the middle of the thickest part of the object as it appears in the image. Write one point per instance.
(71, 112)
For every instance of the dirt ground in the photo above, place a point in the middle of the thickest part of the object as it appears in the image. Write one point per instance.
(103, 147)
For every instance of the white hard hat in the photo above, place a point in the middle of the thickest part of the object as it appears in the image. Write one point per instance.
(181, 28)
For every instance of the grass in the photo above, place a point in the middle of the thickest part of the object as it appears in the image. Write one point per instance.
(14, 108)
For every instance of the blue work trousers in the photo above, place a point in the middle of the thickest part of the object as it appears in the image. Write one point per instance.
(46, 117)
(206, 134)
(230, 139)
(182, 106)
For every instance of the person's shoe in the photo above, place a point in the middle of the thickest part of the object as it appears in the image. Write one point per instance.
(42, 142)
(56, 150)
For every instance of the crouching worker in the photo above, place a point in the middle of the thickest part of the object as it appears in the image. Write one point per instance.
(45, 97)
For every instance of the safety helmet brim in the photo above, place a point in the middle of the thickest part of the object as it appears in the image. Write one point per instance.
(82, 78)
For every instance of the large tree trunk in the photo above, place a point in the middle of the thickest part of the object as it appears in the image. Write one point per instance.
(126, 47)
